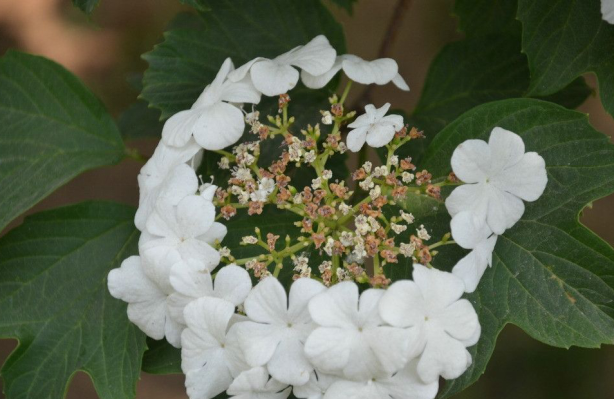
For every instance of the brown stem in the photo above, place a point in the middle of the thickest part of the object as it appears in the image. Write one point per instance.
(385, 47)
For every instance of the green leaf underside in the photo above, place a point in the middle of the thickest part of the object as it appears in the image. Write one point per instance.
(475, 71)
(52, 128)
(564, 39)
(551, 276)
(54, 300)
(189, 58)
(87, 6)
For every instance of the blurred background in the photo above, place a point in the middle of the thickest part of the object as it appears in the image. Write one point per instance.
(105, 51)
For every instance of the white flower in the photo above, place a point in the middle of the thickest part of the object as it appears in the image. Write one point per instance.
(256, 384)
(191, 280)
(406, 384)
(441, 324)
(471, 233)
(212, 120)
(278, 328)
(316, 387)
(158, 170)
(277, 76)
(350, 338)
(181, 233)
(606, 8)
(373, 127)
(380, 72)
(211, 356)
(147, 307)
(502, 175)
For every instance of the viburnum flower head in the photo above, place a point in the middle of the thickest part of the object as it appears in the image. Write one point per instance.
(374, 127)
(351, 338)
(192, 280)
(277, 76)
(211, 356)
(441, 325)
(501, 174)
(214, 121)
(278, 327)
(470, 232)
(380, 72)
(146, 296)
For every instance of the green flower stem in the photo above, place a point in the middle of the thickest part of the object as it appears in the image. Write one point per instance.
(346, 91)
(441, 243)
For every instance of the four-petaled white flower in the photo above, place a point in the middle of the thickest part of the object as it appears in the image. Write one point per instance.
(277, 76)
(211, 357)
(380, 72)
(192, 280)
(502, 175)
(442, 325)
(147, 299)
(405, 384)
(182, 232)
(160, 168)
(256, 384)
(374, 127)
(278, 327)
(472, 233)
(350, 338)
(213, 120)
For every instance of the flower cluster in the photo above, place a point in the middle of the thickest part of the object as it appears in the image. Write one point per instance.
(237, 328)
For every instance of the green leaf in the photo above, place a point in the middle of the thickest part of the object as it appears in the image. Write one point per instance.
(487, 17)
(189, 58)
(564, 39)
(551, 276)
(87, 6)
(52, 128)
(345, 4)
(161, 358)
(54, 300)
(471, 72)
(140, 122)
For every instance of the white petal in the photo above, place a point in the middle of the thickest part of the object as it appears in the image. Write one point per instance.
(471, 267)
(209, 316)
(459, 320)
(241, 72)
(336, 307)
(443, 355)
(316, 57)
(219, 126)
(439, 288)
(181, 182)
(471, 161)
(315, 387)
(216, 232)
(380, 135)
(289, 364)
(195, 216)
(320, 81)
(258, 341)
(356, 138)
(272, 78)
(402, 305)
(380, 71)
(399, 81)
(233, 284)
(390, 345)
(255, 384)
(506, 148)
(469, 197)
(191, 280)
(504, 210)
(267, 302)
(368, 307)
(408, 385)
(468, 230)
(210, 380)
(146, 302)
(178, 129)
(606, 8)
(173, 331)
(199, 250)
(158, 257)
(301, 291)
(526, 179)
(240, 92)
(329, 349)
(345, 389)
